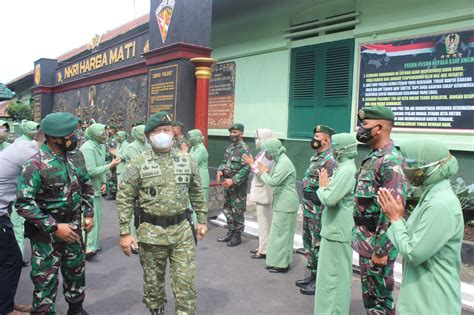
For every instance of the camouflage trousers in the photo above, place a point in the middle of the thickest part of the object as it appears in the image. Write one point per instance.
(235, 205)
(377, 286)
(311, 234)
(46, 260)
(153, 259)
(112, 183)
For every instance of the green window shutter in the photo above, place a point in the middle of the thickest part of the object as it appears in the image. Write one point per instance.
(320, 87)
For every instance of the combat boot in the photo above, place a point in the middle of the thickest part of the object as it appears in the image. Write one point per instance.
(304, 282)
(226, 237)
(76, 309)
(159, 311)
(309, 289)
(235, 240)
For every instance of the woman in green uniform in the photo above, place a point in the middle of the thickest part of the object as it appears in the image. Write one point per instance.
(285, 205)
(430, 239)
(199, 153)
(29, 130)
(94, 155)
(333, 284)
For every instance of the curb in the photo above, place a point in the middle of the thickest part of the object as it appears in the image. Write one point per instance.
(251, 227)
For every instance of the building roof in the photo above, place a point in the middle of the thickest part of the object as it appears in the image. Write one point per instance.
(5, 93)
(122, 29)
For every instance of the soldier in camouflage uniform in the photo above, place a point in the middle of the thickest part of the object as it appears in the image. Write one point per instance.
(380, 169)
(166, 182)
(111, 152)
(179, 140)
(235, 172)
(54, 191)
(312, 208)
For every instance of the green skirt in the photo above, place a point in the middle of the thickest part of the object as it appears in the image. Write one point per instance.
(280, 239)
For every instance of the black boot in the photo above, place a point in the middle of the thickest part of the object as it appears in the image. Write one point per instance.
(235, 240)
(159, 311)
(76, 309)
(304, 282)
(226, 237)
(309, 289)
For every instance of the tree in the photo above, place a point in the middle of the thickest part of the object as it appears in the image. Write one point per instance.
(19, 111)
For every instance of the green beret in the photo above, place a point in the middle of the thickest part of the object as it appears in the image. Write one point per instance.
(375, 112)
(177, 123)
(59, 124)
(157, 120)
(237, 126)
(324, 129)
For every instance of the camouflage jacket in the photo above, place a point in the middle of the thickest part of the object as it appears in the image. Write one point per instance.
(178, 142)
(381, 168)
(54, 189)
(234, 166)
(165, 185)
(111, 143)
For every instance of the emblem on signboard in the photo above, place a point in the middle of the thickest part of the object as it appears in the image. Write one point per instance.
(452, 43)
(164, 12)
(37, 74)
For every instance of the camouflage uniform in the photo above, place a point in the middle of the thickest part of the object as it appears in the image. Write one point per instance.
(112, 176)
(54, 189)
(165, 185)
(312, 208)
(178, 142)
(235, 198)
(381, 168)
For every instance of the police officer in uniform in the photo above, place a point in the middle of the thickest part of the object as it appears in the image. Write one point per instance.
(382, 168)
(165, 182)
(54, 192)
(235, 172)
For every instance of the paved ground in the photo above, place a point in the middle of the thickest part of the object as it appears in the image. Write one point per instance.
(228, 282)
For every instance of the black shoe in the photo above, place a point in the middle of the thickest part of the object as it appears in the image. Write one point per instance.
(268, 267)
(25, 263)
(235, 240)
(89, 255)
(278, 270)
(253, 251)
(309, 289)
(81, 312)
(226, 237)
(76, 309)
(304, 282)
(258, 256)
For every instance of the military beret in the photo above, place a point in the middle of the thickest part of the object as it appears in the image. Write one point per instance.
(375, 112)
(178, 124)
(157, 120)
(237, 126)
(58, 124)
(324, 129)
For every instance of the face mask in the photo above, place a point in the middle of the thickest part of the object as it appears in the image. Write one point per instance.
(315, 143)
(3, 134)
(265, 161)
(69, 144)
(161, 141)
(234, 139)
(364, 135)
(416, 176)
(258, 143)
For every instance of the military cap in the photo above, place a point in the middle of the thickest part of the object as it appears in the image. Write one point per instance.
(324, 129)
(157, 120)
(177, 123)
(58, 124)
(375, 112)
(237, 126)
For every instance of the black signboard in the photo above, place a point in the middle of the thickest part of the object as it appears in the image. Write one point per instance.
(163, 86)
(222, 96)
(428, 82)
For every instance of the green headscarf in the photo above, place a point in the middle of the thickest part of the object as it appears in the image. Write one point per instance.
(273, 149)
(4, 135)
(138, 133)
(121, 136)
(344, 146)
(96, 132)
(195, 136)
(29, 128)
(428, 160)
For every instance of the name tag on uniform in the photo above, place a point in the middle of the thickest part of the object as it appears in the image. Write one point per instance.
(150, 169)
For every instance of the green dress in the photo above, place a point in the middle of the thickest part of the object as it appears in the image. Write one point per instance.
(334, 280)
(285, 207)
(430, 242)
(199, 154)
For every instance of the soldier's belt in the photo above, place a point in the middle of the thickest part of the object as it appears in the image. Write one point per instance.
(163, 221)
(370, 224)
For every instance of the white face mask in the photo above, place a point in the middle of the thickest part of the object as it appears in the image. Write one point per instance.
(161, 141)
